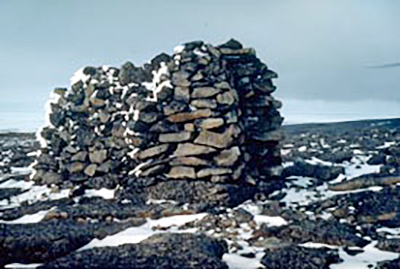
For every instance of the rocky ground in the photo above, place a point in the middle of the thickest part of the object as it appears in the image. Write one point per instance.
(339, 208)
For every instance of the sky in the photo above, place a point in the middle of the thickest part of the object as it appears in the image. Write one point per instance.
(336, 60)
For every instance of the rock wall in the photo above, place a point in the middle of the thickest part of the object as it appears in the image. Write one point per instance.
(204, 113)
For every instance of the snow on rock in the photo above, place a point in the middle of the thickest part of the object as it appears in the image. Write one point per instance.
(136, 234)
(33, 218)
(371, 255)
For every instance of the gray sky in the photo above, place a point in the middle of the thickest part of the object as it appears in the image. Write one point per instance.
(325, 51)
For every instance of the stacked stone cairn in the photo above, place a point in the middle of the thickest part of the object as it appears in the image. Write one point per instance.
(205, 113)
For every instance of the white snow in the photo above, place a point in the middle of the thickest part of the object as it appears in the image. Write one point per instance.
(12, 183)
(34, 194)
(371, 255)
(302, 149)
(103, 192)
(157, 85)
(386, 145)
(79, 76)
(316, 161)
(358, 166)
(179, 49)
(32, 218)
(270, 221)
(235, 261)
(20, 265)
(136, 234)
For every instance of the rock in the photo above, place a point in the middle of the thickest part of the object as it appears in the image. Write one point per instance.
(227, 157)
(189, 127)
(97, 102)
(98, 156)
(90, 170)
(174, 107)
(190, 161)
(181, 79)
(298, 257)
(206, 172)
(154, 170)
(215, 139)
(76, 167)
(189, 149)
(49, 240)
(181, 172)
(50, 178)
(392, 245)
(204, 92)
(189, 116)
(231, 44)
(204, 103)
(153, 152)
(365, 181)
(210, 123)
(318, 231)
(322, 172)
(182, 94)
(159, 251)
(226, 98)
(174, 137)
(79, 156)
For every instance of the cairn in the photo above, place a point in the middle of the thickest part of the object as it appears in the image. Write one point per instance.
(205, 113)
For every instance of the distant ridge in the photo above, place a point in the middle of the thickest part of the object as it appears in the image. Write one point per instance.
(343, 126)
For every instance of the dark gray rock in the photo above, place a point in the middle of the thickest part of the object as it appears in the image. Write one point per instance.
(46, 241)
(158, 251)
(321, 172)
(296, 257)
(319, 231)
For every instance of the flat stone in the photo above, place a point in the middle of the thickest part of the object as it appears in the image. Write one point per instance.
(226, 98)
(98, 156)
(174, 107)
(190, 161)
(228, 157)
(204, 103)
(174, 137)
(90, 170)
(210, 123)
(213, 172)
(79, 157)
(152, 152)
(189, 127)
(51, 178)
(60, 91)
(76, 167)
(97, 102)
(157, 169)
(181, 79)
(188, 116)
(181, 172)
(182, 94)
(189, 149)
(204, 92)
(148, 117)
(105, 167)
(246, 51)
(223, 85)
(215, 139)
